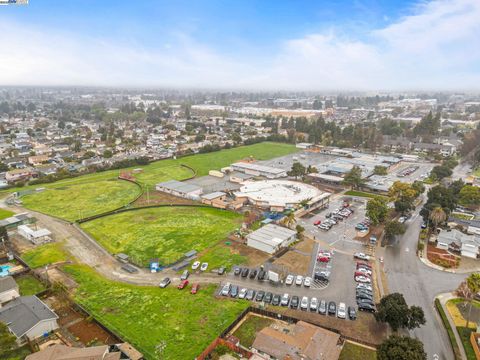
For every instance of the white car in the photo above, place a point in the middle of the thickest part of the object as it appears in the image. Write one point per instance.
(226, 289)
(361, 256)
(195, 265)
(289, 280)
(242, 293)
(299, 280)
(285, 299)
(402, 219)
(342, 311)
(364, 286)
(304, 303)
(365, 271)
(313, 304)
(204, 267)
(307, 282)
(363, 279)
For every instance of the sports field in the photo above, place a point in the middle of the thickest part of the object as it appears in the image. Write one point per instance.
(82, 200)
(179, 325)
(165, 233)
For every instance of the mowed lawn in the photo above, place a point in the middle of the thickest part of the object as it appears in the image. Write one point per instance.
(82, 200)
(45, 254)
(29, 285)
(151, 318)
(165, 233)
(5, 214)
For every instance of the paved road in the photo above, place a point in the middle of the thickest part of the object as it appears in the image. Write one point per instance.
(420, 285)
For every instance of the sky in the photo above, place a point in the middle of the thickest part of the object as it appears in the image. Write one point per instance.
(312, 45)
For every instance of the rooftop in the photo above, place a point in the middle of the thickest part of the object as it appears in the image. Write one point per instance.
(179, 186)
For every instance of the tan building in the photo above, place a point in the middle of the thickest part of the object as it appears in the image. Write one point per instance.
(38, 159)
(103, 352)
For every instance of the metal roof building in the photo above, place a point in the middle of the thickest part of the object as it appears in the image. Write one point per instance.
(271, 238)
(259, 170)
(180, 189)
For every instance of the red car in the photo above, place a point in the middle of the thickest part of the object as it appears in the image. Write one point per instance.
(183, 284)
(359, 273)
(195, 288)
(318, 222)
(323, 259)
(365, 265)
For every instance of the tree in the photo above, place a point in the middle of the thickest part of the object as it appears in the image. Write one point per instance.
(468, 289)
(394, 310)
(394, 228)
(297, 170)
(311, 169)
(377, 210)
(289, 220)
(354, 178)
(3, 167)
(440, 171)
(469, 196)
(107, 154)
(380, 170)
(7, 339)
(419, 187)
(401, 348)
(437, 216)
(300, 229)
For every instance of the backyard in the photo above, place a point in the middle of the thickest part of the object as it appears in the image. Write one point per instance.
(45, 254)
(5, 214)
(179, 325)
(29, 285)
(352, 351)
(247, 331)
(81, 200)
(165, 233)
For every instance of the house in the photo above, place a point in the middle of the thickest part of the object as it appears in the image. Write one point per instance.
(8, 290)
(220, 200)
(38, 159)
(28, 318)
(271, 238)
(37, 237)
(455, 240)
(180, 189)
(304, 341)
(18, 174)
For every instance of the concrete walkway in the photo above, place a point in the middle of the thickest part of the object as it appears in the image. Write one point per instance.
(444, 298)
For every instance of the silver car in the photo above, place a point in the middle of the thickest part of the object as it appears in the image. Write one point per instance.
(304, 303)
(313, 304)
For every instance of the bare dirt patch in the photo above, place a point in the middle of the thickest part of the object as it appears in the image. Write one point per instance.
(297, 260)
(88, 332)
(254, 257)
(160, 198)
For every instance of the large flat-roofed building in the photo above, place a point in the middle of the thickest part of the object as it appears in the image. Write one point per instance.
(259, 170)
(180, 189)
(271, 238)
(280, 195)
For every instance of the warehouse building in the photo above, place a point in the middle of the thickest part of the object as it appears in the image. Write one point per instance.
(180, 189)
(259, 170)
(271, 238)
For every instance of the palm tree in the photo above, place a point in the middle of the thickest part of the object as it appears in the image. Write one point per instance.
(289, 220)
(437, 216)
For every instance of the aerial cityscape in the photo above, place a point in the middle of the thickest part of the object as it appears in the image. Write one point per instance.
(240, 180)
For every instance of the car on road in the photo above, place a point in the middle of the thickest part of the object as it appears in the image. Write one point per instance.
(165, 282)
(253, 274)
(294, 302)
(250, 294)
(285, 300)
(276, 300)
(342, 311)
(402, 219)
(195, 265)
(352, 314)
(268, 297)
(195, 288)
(260, 295)
(234, 291)
(245, 272)
(182, 284)
(363, 279)
(313, 304)
(226, 289)
(322, 308)
(221, 270)
(237, 271)
(304, 303)
(332, 308)
(361, 256)
(317, 222)
(366, 307)
(364, 286)
(204, 266)
(307, 282)
(185, 275)
(289, 280)
(299, 280)
(242, 293)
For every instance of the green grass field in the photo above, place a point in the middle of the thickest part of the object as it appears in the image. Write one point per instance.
(221, 255)
(362, 194)
(29, 285)
(5, 214)
(353, 351)
(149, 316)
(82, 200)
(165, 233)
(467, 345)
(45, 254)
(247, 332)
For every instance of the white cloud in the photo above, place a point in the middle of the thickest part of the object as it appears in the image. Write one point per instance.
(436, 47)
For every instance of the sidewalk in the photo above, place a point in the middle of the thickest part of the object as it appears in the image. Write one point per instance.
(443, 298)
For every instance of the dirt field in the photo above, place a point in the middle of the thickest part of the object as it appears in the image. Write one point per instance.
(254, 257)
(157, 198)
(297, 262)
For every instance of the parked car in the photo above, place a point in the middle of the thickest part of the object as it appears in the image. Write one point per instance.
(361, 256)
(366, 307)
(294, 302)
(365, 302)
(364, 265)
(260, 295)
(250, 294)
(276, 300)
(313, 304)
(318, 222)
(363, 270)
(364, 286)
(325, 227)
(307, 282)
(222, 270)
(402, 219)
(352, 314)
(185, 275)
(323, 275)
(234, 291)
(261, 274)
(332, 308)
(363, 279)
(424, 225)
(183, 284)
(364, 297)
(299, 280)
(323, 259)
(289, 280)
(364, 291)
(195, 288)
(245, 272)
(242, 293)
(165, 282)
(342, 311)
(253, 274)
(304, 303)
(226, 289)
(322, 308)
(268, 297)
(195, 265)
(204, 266)
(237, 271)
(285, 300)
(361, 226)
